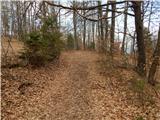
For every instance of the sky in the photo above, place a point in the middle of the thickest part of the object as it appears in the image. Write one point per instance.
(66, 20)
(153, 27)
(155, 19)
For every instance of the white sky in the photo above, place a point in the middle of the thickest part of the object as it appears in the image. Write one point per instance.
(120, 19)
(153, 26)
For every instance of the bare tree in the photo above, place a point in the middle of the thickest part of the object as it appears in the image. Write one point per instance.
(155, 63)
(93, 34)
(106, 29)
(141, 65)
(84, 29)
(151, 10)
(113, 5)
(75, 26)
(125, 27)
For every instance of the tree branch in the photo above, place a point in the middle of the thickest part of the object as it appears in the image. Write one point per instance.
(82, 8)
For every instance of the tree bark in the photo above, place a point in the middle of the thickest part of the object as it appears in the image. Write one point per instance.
(84, 29)
(101, 28)
(93, 34)
(149, 21)
(75, 27)
(141, 65)
(155, 63)
(125, 27)
(106, 32)
(113, 5)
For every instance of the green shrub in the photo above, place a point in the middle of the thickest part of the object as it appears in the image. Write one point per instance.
(70, 41)
(139, 85)
(91, 46)
(43, 45)
(142, 89)
(139, 118)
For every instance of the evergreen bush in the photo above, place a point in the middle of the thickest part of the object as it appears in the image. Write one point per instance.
(70, 41)
(43, 45)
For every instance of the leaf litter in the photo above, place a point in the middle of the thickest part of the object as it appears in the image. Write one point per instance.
(76, 88)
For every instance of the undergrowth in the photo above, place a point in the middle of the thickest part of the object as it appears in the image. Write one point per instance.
(142, 91)
(44, 45)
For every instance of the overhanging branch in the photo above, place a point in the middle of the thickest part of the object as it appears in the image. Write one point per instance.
(82, 8)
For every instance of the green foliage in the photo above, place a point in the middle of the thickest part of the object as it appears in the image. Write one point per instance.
(70, 41)
(43, 45)
(148, 41)
(91, 46)
(139, 85)
(139, 118)
(142, 90)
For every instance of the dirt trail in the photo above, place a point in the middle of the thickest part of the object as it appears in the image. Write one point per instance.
(69, 96)
(75, 90)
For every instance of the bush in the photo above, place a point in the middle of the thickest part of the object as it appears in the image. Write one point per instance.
(142, 90)
(139, 118)
(91, 46)
(43, 45)
(70, 41)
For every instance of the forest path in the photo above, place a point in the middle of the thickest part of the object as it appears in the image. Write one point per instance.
(73, 89)
(74, 94)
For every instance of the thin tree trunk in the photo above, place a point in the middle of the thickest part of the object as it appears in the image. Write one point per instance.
(98, 29)
(125, 27)
(89, 36)
(106, 30)
(150, 16)
(101, 28)
(93, 24)
(155, 63)
(84, 29)
(44, 9)
(59, 17)
(112, 28)
(75, 27)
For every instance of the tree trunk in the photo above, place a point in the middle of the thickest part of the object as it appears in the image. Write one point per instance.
(19, 27)
(75, 27)
(93, 29)
(59, 20)
(155, 63)
(125, 27)
(112, 28)
(106, 30)
(141, 65)
(101, 28)
(88, 42)
(149, 21)
(84, 29)
(44, 9)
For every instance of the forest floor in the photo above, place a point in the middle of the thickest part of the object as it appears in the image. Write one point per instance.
(77, 88)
